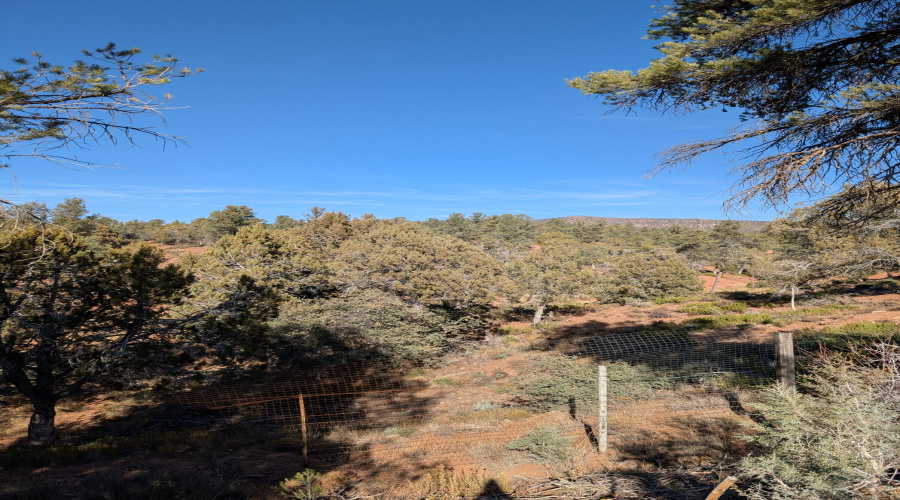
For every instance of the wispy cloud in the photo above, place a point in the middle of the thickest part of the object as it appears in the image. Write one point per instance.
(563, 198)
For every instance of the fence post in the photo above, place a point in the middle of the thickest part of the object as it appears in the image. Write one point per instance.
(602, 424)
(303, 425)
(719, 490)
(784, 362)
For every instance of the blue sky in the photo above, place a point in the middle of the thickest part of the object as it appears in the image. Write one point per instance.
(398, 108)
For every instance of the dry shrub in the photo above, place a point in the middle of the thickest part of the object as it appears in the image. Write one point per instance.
(442, 483)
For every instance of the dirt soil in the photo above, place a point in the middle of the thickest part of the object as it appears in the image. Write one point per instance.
(466, 429)
(175, 252)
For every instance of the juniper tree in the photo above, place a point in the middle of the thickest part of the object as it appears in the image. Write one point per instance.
(418, 265)
(549, 273)
(649, 274)
(67, 311)
(815, 80)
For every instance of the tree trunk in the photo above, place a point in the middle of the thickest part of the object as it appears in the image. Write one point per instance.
(793, 294)
(42, 426)
(538, 315)
(716, 283)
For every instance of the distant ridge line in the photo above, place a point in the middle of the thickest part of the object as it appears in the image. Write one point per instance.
(751, 225)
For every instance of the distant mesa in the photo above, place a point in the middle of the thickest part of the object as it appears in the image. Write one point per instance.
(751, 225)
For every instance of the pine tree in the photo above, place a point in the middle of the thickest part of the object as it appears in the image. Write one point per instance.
(815, 80)
(47, 109)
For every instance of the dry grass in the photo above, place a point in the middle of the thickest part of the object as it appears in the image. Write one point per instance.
(441, 483)
(482, 417)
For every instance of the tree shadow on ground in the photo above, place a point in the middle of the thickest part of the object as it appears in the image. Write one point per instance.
(677, 352)
(493, 491)
(685, 442)
(231, 438)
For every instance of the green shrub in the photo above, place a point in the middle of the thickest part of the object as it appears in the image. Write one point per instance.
(507, 330)
(648, 275)
(836, 438)
(846, 337)
(734, 319)
(551, 381)
(864, 329)
(733, 307)
(544, 443)
(699, 309)
(554, 381)
(363, 326)
(303, 486)
(447, 382)
(731, 381)
(677, 299)
(717, 308)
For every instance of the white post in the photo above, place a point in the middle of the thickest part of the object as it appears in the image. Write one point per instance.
(602, 425)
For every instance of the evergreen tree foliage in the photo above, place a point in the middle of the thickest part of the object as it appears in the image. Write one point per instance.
(836, 438)
(237, 289)
(67, 311)
(810, 251)
(47, 108)
(815, 80)
(648, 275)
(419, 266)
(551, 272)
(323, 277)
(312, 247)
(365, 325)
(70, 214)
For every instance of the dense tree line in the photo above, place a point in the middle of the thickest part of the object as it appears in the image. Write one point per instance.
(86, 297)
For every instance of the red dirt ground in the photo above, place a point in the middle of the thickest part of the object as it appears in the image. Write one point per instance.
(483, 447)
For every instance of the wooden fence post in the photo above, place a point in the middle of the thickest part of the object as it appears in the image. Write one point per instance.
(303, 436)
(784, 362)
(726, 483)
(602, 424)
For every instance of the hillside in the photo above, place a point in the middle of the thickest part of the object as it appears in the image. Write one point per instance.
(752, 225)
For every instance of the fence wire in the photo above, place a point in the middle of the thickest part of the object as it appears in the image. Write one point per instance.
(673, 396)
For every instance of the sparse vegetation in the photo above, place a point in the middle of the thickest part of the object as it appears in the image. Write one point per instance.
(277, 299)
(544, 443)
(362, 358)
(441, 483)
(303, 486)
(711, 322)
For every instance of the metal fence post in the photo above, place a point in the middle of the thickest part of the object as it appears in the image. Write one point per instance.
(602, 425)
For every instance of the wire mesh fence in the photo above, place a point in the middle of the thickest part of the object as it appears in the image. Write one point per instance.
(671, 396)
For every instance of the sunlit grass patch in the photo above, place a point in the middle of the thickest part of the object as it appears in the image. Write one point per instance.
(447, 382)
(478, 417)
(678, 299)
(415, 373)
(847, 336)
(713, 308)
(734, 320)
